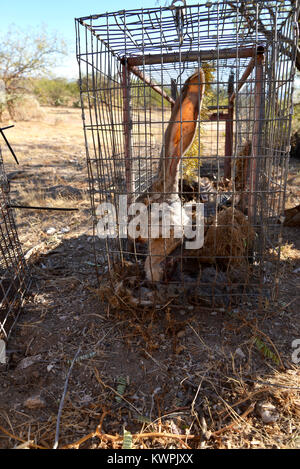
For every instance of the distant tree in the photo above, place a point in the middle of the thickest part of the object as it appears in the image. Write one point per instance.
(24, 55)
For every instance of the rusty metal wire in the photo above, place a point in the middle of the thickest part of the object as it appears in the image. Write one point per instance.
(133, 66)
(14, 274)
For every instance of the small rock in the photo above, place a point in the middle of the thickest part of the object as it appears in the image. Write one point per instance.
(267, 412)
(28, 361)
(35, 402)
(86, 399)
(51, 231)
(2, 352)
(240, 353)
(255, 442)
(65, 230)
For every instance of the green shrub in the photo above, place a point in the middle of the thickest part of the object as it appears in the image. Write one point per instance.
(55, 91)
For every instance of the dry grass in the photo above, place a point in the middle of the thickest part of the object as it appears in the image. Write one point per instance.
(228, 240)
(180, 376)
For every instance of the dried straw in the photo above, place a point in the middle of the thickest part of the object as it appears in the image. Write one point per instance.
(228, 239)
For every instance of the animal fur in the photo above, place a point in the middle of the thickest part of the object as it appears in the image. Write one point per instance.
(178, 138)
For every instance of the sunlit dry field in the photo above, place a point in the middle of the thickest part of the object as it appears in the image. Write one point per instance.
(189, 378)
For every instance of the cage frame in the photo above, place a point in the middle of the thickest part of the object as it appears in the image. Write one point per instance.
(256, 62)
(255, 53)
(15, 278)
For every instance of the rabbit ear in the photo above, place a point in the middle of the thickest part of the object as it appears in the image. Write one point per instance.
(183, 122)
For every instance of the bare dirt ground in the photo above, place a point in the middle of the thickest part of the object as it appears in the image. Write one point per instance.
(188, 378)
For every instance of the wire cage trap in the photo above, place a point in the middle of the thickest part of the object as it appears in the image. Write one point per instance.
(188, 107)
(14, 274)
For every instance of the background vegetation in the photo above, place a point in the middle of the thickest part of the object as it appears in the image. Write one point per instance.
(56, 91)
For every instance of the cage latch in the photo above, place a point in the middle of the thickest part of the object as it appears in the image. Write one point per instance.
(179, 18)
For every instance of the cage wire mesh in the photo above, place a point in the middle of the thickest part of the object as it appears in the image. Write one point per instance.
(190, 104)
(14, 274)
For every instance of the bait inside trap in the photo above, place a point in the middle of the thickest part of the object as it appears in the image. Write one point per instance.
(186, 105)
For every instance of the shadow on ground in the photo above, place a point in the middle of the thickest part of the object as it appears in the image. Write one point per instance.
(198, 372)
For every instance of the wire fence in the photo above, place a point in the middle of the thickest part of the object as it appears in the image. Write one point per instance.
(14, 274)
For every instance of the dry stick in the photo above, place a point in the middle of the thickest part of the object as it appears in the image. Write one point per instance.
(162, 366)
(54, 209)
(63, 400)
(232, 424)
(281, 386)
(14, 437)
(81, 441)
(98, 434)
(138, 436)
(241, 401)
(87, 437)
(142, 436)
(106, 386)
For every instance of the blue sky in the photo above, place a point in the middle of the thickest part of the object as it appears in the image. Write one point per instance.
(58, 16)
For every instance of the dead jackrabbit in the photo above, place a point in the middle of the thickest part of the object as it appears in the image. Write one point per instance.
(164, 188)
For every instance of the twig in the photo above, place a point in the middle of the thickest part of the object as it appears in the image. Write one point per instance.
(162, 366)
(114, 391)
(265, 383)
(55, 209)
(81, 441)
(87, 437)
(241, 401)
(138, 436)
(229, 427)
(174, 436)
(14, 437)
(143, 436)
(63, 400)
(7, 142)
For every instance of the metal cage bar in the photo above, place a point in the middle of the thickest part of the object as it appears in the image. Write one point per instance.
(135, 68)
(14, 273)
